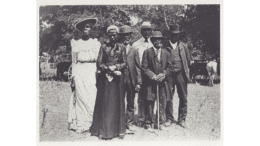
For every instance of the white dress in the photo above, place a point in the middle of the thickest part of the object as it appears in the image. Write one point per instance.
(81, 112)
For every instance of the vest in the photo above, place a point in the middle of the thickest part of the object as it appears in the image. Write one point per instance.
(127, 77)
(158, 65)
(177, 63)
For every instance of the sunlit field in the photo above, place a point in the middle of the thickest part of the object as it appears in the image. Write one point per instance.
(203, 119)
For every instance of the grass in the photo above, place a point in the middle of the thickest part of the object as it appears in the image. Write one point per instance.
(203, 117)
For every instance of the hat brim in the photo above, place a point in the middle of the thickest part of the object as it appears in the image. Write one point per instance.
(125, 32)
(176, 32)
(80, 25)
(146, 27)
(156, 37)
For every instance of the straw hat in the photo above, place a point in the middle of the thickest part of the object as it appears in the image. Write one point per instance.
(80, 25)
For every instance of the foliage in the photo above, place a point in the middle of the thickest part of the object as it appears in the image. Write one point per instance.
(200, 23)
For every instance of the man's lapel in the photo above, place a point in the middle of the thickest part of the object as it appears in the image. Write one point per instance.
(168, 46)
(163, 57)
(129, 49)
(129, 58)
(180, 47)
(152, 56)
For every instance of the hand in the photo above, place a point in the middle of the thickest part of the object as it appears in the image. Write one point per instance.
(112, 68)
(137, 88)
(118, 73)
(154, 77)
(160, 77)
(72, 84)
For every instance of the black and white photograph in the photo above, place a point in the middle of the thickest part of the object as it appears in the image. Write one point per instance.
(129, 72)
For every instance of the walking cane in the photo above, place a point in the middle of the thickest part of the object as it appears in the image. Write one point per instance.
(158, 106)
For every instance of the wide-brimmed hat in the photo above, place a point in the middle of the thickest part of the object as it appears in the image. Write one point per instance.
(125, 30)
(175, 28)
(80, 24)
(146, 24)
(112, 28)
(157, 34)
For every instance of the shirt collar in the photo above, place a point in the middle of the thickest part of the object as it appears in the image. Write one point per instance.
(173, 45)
(142, 40)
(156, 49)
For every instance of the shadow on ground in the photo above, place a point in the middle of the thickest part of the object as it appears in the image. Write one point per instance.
(203, 117)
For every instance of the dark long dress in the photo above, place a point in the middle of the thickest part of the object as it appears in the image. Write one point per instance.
(109, 111)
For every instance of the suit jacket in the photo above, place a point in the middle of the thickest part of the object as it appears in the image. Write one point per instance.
(133, 63)
(149, 70)
(184, 54)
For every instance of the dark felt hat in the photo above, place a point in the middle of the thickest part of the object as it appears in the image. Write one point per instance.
(157, 34)
(175, 28)
(80, 24)
(125, 29)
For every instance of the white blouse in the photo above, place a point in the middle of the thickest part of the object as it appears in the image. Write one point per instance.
(87, 50)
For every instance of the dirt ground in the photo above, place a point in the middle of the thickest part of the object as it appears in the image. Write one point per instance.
(203, 117)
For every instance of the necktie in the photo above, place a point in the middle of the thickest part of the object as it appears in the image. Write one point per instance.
(156, 53)
(146, 40)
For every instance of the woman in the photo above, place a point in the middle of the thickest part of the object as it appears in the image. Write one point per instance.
(84, 54)
(109, 112)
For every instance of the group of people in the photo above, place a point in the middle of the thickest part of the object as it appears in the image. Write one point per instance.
(147, 67)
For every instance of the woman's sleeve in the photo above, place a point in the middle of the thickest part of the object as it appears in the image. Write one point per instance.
(74, 55)
(100, 62)
(96, 47)
(122, 62)
(74, 52)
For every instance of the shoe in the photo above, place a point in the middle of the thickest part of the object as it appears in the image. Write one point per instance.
(161, 127)
(129, 131)
(140, 123)
(149, 129)
(121, 136)
(182, 124)
(168, 123)
(100, 137)
(131, 128)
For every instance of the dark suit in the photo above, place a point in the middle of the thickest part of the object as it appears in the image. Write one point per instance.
(132, 78)
(180, 79)
(151, 68)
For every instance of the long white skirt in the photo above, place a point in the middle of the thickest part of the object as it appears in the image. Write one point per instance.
(80, 114)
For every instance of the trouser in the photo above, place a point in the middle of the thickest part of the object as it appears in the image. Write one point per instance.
(149, 108)
(141, 104)
(130, 97)
(181, 83)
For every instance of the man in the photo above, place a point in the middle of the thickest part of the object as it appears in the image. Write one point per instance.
(132, 78)
(141, 45)
(156, 65)
(181, 61)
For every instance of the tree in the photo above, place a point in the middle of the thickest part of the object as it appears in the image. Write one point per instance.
(202, 26)
(201, 23)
